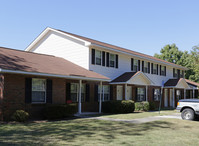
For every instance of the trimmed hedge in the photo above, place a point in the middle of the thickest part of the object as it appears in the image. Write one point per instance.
(59, 111)
(117, 107)
(20, 116)
(142, 106)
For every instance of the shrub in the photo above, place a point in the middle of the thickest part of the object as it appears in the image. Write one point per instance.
(59, 111)
(117, 107)
(142, 106)
(152, 106)
(20, 116)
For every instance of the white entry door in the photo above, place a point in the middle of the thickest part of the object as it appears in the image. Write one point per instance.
(166, 98)
(119, 92)
(171, 97)
(129, 93)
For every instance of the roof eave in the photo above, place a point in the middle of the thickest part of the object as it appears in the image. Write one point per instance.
(53, 75)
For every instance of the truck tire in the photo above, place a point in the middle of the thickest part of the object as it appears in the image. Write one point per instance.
(188, 114)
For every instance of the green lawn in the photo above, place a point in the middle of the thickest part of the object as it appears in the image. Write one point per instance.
(98, 132)
(137, 115)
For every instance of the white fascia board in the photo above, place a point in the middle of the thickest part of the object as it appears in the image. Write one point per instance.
(48, 29)
(131, 54)
(144, 76)
(53, 75)
(118, 83)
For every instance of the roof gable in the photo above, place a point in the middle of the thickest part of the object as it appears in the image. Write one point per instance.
(177, 83)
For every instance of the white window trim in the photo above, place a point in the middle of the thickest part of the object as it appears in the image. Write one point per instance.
(111, 60)
(158, 94)
(77, 92)
(104, 93)
(45, 92)
(96, 57)
(134, 65)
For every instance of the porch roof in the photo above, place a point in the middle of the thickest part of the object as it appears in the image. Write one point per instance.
(137, 78)
(177, 83)
(22, 62)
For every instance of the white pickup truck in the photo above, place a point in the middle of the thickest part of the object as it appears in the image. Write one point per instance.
(189, 108)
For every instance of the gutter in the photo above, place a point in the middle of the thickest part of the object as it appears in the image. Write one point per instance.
(139, 56)
(53, 75)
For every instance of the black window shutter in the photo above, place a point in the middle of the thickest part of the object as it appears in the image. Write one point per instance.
(178, 73)
(160, 70)
(138, 65)
(136, 93)
(157, 69)
(49, 91)
(149, 67)
(68, 91)
(103, 58)
(111, 92)
(96, 92)
(173, 72)
(153, 94)
(93, 56)
(142, 66)
(116, 59)
(132, 62)
(87, 92)
(165, 71)
(107, 59)
(28, 90)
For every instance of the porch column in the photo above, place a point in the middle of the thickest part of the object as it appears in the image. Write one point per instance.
(125, 91)
(184, 93)
(146, 93)
(193, 93)
(100, 100)
(79, 101)
(173, 98)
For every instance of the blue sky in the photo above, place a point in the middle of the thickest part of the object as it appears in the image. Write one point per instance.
(140, 25)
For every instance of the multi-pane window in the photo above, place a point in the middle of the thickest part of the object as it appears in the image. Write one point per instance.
(156, 95)
(98, 57)
(163, 70)
(145, 67)
(154, 68)
(181, 73)
(105, 93)
(38, 90)
(135, 65)
(74, 90)
(141, 94)
(112, 60)
(175, 72)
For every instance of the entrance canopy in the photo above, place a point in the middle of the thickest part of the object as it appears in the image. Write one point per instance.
(177, 83)
(135, 78)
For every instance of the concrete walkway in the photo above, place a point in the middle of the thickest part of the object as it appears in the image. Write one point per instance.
(135, 121)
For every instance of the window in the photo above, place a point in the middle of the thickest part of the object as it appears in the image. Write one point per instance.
(175, 72)
(135, 65)
(141, 94)
(156, 95)
(163, 70)
(105, 93)
(181, 73)
(98, 57)
(154, 68)
(112, 60)
(74, 90)
(145, 67)
(38, 90)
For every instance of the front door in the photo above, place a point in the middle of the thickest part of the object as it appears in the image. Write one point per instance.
(119, 92)
(129, 93)
(165, 97)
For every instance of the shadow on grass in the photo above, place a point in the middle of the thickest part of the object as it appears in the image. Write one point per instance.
(72, 131)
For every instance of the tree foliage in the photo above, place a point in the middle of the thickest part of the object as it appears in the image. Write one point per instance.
(171, 53)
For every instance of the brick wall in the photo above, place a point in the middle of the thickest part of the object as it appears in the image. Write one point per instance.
(1, 95)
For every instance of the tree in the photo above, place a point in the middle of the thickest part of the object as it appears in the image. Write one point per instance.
(170, 53)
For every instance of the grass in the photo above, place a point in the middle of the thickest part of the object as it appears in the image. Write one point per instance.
(137, 115)
(98, 132)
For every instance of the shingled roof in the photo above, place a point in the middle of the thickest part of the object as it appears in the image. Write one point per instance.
(124, 77)
(118, 48)
(16, 60)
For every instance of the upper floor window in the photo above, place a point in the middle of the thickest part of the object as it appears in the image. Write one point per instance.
(154, 69)
(163, 70)
(38, 90)
(175, 72)
(146, 67)
(182, 73)
(98, 57)
(112, 60)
